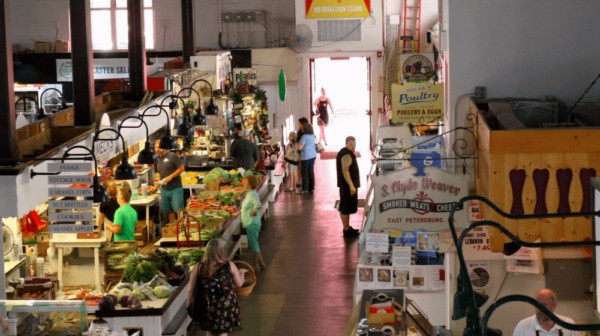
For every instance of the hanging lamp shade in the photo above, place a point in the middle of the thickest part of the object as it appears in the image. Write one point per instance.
(282, 85)
(167, 142)
(198, 119)
(100, 193)
(185, 129)
(148, 155)
(125, 171)
(211, 108)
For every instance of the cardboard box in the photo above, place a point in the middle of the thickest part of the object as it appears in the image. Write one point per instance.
(380, 316)
(42, 47)
(62, 46)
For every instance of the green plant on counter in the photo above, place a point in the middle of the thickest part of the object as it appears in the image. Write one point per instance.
(139, 269)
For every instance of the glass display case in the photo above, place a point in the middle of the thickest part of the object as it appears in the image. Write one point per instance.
(44, 317)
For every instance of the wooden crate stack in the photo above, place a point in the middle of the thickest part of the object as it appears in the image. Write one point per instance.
(115, 258)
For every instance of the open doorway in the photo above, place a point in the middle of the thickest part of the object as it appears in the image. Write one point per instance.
(346, 83)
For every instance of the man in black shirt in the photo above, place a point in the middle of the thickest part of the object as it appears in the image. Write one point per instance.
(243, 151)
(348, 180)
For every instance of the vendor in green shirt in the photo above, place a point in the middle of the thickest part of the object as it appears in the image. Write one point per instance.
(123, 227)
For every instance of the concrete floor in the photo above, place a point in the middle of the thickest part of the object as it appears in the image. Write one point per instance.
(307, 286)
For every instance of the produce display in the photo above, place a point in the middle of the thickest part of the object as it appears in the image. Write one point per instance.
(154, 275)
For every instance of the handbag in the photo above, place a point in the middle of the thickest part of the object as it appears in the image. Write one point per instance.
(319, 147)
(291, 156)
(198, 304)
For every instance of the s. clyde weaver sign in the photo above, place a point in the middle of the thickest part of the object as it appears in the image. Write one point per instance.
(408, 202)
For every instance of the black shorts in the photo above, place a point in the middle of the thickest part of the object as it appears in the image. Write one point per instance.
(348, 203)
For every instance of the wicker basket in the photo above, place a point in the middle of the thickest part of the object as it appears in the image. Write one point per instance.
(250, 275)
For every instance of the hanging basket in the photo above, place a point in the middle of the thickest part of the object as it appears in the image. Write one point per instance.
(246, 290)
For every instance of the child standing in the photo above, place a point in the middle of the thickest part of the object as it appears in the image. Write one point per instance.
(292, 157)
(251, 218)
(123, 227)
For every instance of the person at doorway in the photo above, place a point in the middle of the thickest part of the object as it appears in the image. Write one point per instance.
(123, 226)
(308, 155)
(540, 324)
(244, 152)
(348, 181)
(170, 168)
(321, 110)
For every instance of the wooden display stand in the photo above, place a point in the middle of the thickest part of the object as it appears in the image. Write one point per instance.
(114, 256)
(543, 170)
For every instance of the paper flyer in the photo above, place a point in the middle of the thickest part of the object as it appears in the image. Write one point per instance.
(418, 277)
(401, 255)
(377, 242)
(428, 241)
(366, 277)
(383, 277)
(401, 276)
(437, 277)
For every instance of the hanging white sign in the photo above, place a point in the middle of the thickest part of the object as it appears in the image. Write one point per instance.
(68, 216)
(70, 192)
(82, 167)
(70, 204)
(70, 228)
(70, 179)
(408, 202)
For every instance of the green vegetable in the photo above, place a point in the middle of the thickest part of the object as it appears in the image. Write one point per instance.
(161, 291)
(138, 269)
(116, 256)
(213, 175)
(138, 294)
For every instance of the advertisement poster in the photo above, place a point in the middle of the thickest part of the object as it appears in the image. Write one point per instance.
(480, 274)
(377, 242)
(384, 279)
(417, 103)
(417, 67)
(406, 202)
(104, 68)
(418, 277)
(245, 74)
(366, 277)
(336, 9)
(525, 260)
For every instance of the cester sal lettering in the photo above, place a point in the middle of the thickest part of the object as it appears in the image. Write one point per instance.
(427, 183)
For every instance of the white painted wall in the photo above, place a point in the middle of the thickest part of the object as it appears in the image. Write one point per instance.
(522, 48)
(42, 18)
(34, 20)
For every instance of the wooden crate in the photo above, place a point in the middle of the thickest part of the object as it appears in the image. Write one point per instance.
(169, 230)
(519, 171)
(117, 256)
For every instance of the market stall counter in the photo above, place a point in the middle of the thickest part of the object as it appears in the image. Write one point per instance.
(204, 163)
(158, 317)
(62, 241)
(230, 230)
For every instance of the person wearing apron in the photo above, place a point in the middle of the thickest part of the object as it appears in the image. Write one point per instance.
(540, 324)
